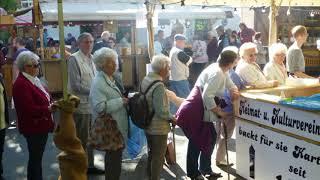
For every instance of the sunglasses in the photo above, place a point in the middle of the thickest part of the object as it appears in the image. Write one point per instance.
(33, 65)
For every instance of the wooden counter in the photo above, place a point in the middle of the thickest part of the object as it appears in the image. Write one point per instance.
(52, 72)
(133, 69)
(275, 141)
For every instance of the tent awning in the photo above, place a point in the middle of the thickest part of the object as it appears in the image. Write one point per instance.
(247, 3)
(122, 11)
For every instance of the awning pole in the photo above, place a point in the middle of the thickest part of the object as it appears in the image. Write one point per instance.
(62, 50)
(273, 22)
(150, 12)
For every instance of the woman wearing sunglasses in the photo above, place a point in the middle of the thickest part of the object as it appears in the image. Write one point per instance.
(33, 106)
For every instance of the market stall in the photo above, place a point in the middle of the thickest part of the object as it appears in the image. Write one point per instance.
(276, 141)
(120, 17)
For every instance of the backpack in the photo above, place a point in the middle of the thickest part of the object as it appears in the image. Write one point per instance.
(139, 108)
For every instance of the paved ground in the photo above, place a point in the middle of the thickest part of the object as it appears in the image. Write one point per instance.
(16, 156)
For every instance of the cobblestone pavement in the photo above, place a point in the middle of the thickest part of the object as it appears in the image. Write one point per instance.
(15, 159)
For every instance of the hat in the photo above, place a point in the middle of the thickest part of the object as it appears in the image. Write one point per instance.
(179, 37)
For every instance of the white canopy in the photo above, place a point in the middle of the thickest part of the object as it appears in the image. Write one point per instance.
(99, 11)
(247, 3)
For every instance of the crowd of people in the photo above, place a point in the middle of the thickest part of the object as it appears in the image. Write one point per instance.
(204, 110)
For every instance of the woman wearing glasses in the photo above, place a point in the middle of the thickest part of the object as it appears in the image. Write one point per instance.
(275, 68)
(249, 70)
(33, 106)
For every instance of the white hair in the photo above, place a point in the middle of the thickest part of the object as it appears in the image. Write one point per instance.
(277, 48)
(105, 35)
(102, 56)
(159, 62)
(26, 58)
(246, 46)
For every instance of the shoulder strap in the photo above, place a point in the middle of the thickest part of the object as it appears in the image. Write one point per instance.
(149, 87)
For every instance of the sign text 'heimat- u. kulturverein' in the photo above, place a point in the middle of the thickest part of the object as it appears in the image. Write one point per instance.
(285, 118)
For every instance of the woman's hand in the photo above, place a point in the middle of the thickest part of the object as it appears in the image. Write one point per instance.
(125, 101)
(52, 107)
(218, 111)
(275, 83)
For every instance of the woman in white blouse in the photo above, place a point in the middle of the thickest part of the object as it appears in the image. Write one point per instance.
(275, 68)
(249, 71)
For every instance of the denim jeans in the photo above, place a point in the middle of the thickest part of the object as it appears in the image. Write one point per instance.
(182, 89)
(193, 154)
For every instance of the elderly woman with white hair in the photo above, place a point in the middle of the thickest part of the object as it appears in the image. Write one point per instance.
(106, 98)
(158, 130)
(275, 68)
(33, 106)
(249, 70)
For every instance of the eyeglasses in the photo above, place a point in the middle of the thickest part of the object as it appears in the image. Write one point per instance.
(33, 65)
(281, 54)
(251, 55)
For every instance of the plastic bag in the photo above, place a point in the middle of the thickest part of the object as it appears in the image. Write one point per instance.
(311, 103)
(136, 140)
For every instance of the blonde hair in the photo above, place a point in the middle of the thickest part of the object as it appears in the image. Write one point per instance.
(298, 31)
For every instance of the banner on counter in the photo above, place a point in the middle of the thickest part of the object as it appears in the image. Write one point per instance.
(266, 155)
(295, 121)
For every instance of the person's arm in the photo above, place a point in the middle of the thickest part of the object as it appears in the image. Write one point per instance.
(294, 60)
(252, 78)
(26, 101)
(184, 58)
(210, 90)
(100, 103)
(295, 63)
(174, 98)
(75, 77)
(159, 99)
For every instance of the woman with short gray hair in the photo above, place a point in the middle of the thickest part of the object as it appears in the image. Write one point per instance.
(159, 62)
(275, 68)
(25, 58)
(157, 131)
(102, 56)
(33, 106)
(106, 98)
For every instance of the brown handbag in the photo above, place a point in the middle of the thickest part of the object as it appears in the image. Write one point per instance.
(105, 135)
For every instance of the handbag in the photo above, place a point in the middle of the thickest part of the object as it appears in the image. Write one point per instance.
(105, 135)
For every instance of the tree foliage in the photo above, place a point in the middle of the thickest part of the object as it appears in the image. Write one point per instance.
(9, 5)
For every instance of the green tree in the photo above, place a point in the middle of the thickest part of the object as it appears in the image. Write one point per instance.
(9, 5)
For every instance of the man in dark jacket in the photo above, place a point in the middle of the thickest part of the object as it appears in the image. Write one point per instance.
(103, 42)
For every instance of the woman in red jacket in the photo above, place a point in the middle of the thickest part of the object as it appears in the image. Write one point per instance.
(32, 103)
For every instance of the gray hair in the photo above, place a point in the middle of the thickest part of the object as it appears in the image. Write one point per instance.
(159, 62)
(84, 36)
(26, 58)
(277, 48)
(102, 56)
